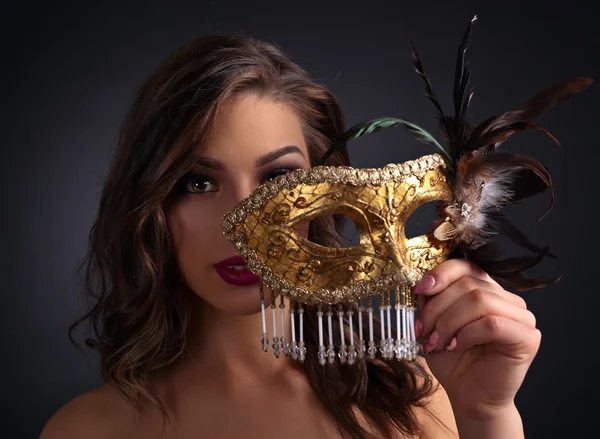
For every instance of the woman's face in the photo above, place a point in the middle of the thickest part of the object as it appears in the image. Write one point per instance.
(254, 139)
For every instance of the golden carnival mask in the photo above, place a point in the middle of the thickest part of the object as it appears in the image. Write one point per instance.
(470, 180)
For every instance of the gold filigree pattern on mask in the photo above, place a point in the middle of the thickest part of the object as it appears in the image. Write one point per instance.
(379, 201)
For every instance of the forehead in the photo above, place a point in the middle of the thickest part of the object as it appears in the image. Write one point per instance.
(252, 125)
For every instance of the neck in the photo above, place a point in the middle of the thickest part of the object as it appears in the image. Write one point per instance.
(227, 347)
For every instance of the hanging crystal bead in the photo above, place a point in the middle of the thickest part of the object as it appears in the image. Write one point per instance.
(295, 351)
(399, 350)
(301, 345)
(294, 344)
(285, 346)
(343, 354)
(361, 349)
(372, 350)
(398, 345)
(265, 337)
(352, 354)
(301, 352)
(361, 342)
(414, 347)
(405, 342)
(275, 346)
(330, 353)
(322, 355)
(330, 347)
(352, 349)
(389, 348)
(382, 341)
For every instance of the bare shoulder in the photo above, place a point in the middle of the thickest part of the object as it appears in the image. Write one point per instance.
(98, 414)
(437, 418)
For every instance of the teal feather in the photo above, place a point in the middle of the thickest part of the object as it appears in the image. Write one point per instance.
(374, 125)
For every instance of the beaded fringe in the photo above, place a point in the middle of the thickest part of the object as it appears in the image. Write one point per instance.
(351, 344)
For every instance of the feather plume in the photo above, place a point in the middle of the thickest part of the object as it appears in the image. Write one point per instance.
(461, 81)
(374, 125)
(526, 184)
(524, 116)
(484, 179)
(429, 93)
(508, 272)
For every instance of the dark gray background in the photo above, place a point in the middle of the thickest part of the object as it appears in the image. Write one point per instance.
(69, 70)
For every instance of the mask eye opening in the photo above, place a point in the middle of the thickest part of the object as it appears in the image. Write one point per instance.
(323, 232)
(420, 221)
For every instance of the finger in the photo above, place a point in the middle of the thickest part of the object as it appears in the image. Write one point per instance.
(446, 274)
(513, 298)
(512, 338)
(429, 312)
(471, 307)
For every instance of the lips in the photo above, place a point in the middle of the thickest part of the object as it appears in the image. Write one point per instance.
(231, 271)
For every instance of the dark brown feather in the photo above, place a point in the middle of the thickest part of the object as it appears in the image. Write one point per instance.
(526, 184)
(519, 282)
(502, 224)
(542, 103)
(497, 136)
(509, 265)
(509, 272)
(522, 162)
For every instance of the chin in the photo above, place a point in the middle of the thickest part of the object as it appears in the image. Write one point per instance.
(236, 300)
(240, 307)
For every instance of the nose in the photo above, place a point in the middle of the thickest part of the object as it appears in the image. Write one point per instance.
(240, 191)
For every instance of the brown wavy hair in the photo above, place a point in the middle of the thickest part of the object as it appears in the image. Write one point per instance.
(140, 313)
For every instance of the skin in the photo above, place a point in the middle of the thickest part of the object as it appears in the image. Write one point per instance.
(226, 387)
(481, 340)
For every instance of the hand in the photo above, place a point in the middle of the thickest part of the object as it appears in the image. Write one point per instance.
(479, 339)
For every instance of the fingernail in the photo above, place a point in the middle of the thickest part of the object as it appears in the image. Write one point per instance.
(432, 341)
(452, 344)
(425, 284)
(418, 328)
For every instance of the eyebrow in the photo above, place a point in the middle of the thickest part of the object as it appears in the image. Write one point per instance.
(261, 161)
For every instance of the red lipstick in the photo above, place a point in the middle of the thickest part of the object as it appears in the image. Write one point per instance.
(231, 272)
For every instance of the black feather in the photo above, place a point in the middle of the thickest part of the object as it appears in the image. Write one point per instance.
(429, 90)
(461, 81)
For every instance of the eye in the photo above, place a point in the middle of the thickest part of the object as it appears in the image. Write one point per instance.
(196, 184)
(272, 174)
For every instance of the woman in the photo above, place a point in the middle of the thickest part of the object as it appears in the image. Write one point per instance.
(177, 333)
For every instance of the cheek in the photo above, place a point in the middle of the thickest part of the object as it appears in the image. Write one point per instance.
(301, 228)
(191, 228)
